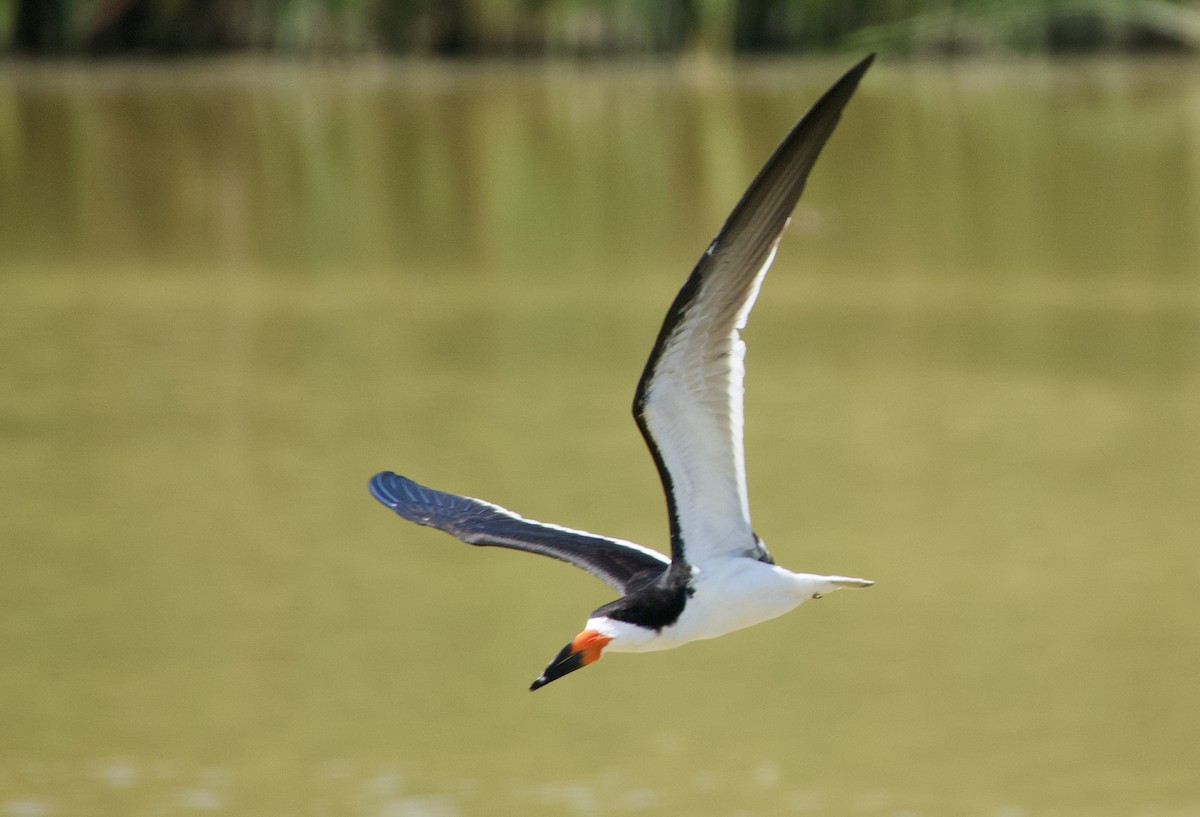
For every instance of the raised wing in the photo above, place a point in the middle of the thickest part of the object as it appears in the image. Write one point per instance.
(613, 561)
(688, 403)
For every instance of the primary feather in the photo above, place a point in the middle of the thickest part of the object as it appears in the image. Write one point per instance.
(614, 561)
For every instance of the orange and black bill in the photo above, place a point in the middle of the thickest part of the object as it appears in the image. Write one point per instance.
(584, 649)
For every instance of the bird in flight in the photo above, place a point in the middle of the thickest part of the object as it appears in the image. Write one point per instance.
(688, 406)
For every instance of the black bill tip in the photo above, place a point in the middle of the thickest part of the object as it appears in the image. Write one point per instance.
(567, 661)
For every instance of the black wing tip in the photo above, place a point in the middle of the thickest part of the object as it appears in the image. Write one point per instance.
(862, 65)
(840, 92)
(797, 153)
(852, 76)
(849, 80)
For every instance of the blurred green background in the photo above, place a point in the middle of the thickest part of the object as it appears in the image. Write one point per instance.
(598, 27)
(233, 288)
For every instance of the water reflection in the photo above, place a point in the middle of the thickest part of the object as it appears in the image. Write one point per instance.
(232, 292)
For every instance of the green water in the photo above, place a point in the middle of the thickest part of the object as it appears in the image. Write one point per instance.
(230, 293)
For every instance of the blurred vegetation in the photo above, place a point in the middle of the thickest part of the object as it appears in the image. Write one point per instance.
(594, 27)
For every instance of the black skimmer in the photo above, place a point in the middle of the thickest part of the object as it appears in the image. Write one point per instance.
(688, 406)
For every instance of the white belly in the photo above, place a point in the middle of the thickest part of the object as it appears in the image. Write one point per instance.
(729, 596)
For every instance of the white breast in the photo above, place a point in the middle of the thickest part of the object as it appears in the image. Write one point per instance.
(741, 593)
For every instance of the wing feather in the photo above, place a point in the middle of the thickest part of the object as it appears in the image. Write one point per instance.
(689, 403)
(613, 561)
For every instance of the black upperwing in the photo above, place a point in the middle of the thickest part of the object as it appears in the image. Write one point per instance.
(688, 403)
(613, 561)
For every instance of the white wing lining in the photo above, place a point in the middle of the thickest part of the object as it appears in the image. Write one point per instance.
(689, 403)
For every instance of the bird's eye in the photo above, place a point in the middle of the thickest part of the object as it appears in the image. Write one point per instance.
(816, 595)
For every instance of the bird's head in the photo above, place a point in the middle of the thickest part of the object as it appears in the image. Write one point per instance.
(584, 649)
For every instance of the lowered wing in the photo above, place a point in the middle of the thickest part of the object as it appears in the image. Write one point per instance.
(613, 561)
